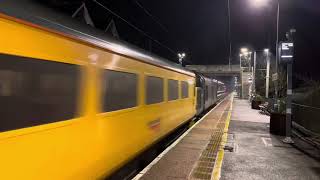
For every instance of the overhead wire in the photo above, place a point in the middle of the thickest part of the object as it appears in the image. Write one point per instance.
(151, 16)
(133, 26)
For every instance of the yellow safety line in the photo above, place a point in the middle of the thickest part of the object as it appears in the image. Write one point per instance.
(219, 159)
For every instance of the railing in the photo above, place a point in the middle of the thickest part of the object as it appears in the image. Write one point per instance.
(307, 116)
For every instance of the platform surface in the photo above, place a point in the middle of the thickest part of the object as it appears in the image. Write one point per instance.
(200, 154)
(259, 155)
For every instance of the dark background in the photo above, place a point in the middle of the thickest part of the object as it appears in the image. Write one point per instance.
(200, 28)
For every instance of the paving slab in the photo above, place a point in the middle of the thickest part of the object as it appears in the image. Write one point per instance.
(243, 112)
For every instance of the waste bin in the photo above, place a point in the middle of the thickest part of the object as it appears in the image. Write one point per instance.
(278, 124)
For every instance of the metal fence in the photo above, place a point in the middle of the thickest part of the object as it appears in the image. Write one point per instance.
(307, 116)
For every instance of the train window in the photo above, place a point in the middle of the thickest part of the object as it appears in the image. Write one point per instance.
(35, 92)
(119, 90)
(154, 90)
(173, 91)
(184, 89)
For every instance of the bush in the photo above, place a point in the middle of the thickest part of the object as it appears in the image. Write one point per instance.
(257, 97)
(281, 106)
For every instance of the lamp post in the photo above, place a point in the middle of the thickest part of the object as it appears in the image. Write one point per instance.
(268, 72)
(243, 52)
(229, 27)
(254, 72)
(277, 54)
(250, 61)
(240, 55)
(260, 3)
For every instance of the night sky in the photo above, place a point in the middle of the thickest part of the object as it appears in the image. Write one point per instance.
(200, 28)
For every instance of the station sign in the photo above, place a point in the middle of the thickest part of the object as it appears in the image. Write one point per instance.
(286, 52)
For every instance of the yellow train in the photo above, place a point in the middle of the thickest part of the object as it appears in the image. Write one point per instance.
(77, 105)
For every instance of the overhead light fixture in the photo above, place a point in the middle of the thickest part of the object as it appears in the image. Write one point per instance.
(244, 50)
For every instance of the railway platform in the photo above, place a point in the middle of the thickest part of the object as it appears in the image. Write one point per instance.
(259, 155)
(231, 141)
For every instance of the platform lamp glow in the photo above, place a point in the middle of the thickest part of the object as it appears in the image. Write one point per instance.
(244, 50)
(181, 56)
(258, 3)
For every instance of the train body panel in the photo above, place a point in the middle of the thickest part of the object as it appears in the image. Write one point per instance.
(92, 143)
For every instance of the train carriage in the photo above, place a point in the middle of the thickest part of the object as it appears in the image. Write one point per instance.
(79, 105)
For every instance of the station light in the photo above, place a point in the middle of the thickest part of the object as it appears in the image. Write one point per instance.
(259, 3)
(181, 55)
(244, 50)
(246, 53)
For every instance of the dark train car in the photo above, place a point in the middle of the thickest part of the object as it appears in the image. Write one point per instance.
(200, 88)
(207, 92)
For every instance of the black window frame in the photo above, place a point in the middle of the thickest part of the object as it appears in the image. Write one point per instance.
(47, 91)
(182, 89)
(109, 104)
(176, 96)
(150, 97)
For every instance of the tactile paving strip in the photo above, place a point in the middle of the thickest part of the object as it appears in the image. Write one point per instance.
(204, 167)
